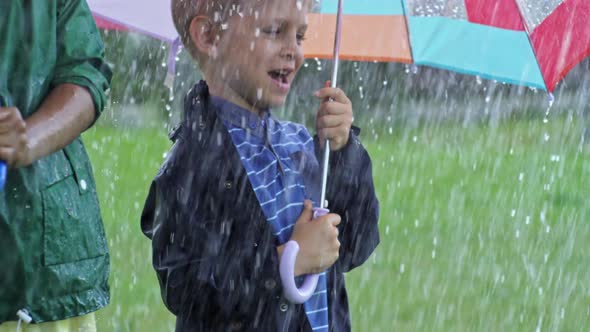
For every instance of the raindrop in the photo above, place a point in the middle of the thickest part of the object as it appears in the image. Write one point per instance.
(521, 177)
(513, 213)
(402, 268)
(384, 83)
(562, 315)
(517, 234)
(555, 158)
(164, 154)
(257, 32)
(299, 5)
(527, 220)
(488, 98)
(546, 137)
(478, 80)
(547, 229)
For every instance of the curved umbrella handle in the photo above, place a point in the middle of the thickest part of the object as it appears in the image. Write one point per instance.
(287, 270)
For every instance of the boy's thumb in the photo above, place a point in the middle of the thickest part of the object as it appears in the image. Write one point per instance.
(307, 213)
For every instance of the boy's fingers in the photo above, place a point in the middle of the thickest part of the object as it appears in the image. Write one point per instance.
(334, 109)
(329, 121)
(307, 213)
(334, 219)
(334, 93)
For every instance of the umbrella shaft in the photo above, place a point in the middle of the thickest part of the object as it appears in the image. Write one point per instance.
(323, 203)
(335, 65)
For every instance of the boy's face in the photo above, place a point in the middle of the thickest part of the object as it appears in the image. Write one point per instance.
(259, 52)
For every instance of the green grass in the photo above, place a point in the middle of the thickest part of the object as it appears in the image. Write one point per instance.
(482, 229)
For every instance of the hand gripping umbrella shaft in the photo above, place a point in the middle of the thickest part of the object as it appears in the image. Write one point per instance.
(287, 266)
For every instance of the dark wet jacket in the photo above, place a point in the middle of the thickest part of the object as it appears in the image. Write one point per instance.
(213, 249)
(53, 253)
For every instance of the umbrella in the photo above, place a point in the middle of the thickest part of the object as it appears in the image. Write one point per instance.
(526, 42)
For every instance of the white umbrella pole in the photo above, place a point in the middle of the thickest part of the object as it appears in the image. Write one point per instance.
(336, 59)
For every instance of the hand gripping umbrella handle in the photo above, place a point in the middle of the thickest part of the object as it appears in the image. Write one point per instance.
(287, 270)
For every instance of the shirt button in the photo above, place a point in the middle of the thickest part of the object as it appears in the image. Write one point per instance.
(83, 184)
(228, 185)
(283, 306)
(270, 284)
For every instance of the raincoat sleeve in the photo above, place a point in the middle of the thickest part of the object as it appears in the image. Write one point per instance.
(208, 264)
(80, 52)
(351, 194)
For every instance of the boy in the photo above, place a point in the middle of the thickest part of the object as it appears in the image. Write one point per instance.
(238, 184)
(53, 253)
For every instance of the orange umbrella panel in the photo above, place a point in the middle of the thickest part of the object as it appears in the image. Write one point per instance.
(372, 30)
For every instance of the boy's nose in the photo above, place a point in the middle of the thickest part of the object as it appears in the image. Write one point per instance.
(290, 48)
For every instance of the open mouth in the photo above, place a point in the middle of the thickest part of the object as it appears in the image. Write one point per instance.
(280, 76)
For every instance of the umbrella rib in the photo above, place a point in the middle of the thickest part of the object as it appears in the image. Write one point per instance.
(528, 36)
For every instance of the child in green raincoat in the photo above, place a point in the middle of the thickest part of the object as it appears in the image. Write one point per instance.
(53, 251)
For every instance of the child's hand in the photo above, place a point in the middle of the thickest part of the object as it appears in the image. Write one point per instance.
(334, 117)
(318, 241)
(13, 137)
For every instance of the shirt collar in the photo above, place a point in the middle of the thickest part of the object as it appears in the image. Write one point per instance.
(241, 117)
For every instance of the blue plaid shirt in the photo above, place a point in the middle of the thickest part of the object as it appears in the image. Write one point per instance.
(278, 157)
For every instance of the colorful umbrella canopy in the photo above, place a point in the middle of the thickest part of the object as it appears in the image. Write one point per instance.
(526, 42)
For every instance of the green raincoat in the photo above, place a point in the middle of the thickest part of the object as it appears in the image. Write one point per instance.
(53, 254)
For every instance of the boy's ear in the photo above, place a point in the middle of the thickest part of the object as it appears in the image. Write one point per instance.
(203, 34)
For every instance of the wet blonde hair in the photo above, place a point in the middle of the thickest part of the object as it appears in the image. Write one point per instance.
(183, 12)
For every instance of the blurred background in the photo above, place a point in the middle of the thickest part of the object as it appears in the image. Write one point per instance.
(484, 190)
